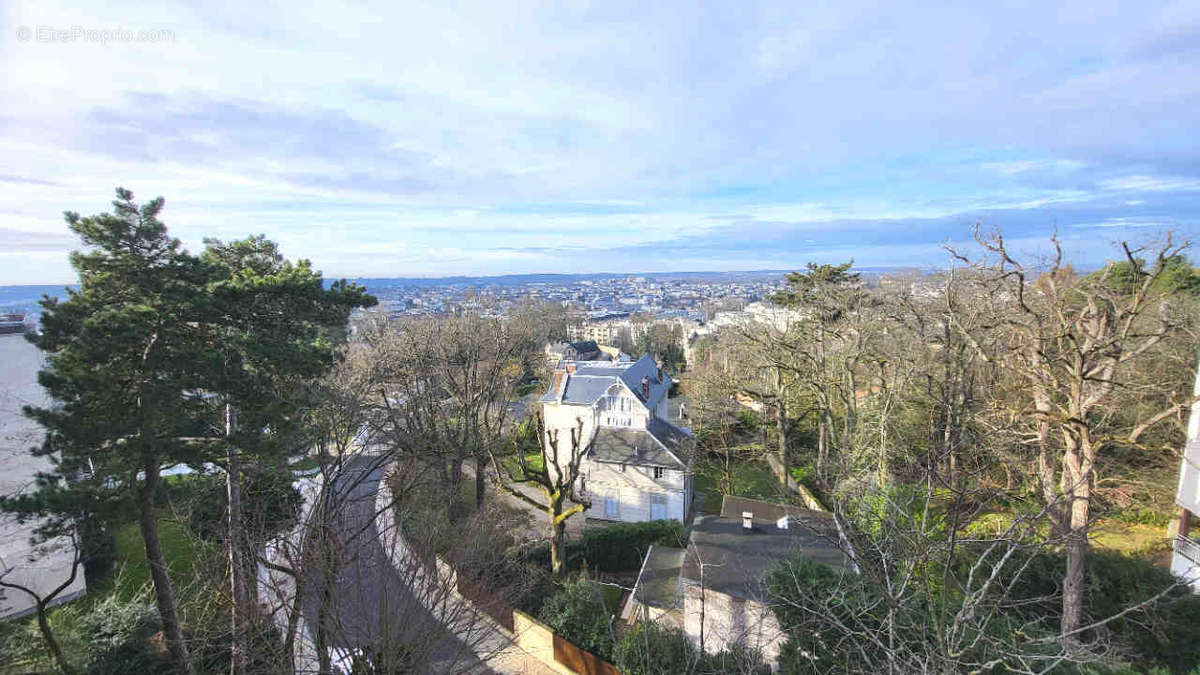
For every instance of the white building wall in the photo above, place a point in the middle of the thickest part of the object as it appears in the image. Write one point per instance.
(728, 621)
(632, 488)
(565, 419)
(1187, 494)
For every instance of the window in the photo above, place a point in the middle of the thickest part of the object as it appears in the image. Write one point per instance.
(612, 506)
(658, 472)
(622, 468)
(658, 506)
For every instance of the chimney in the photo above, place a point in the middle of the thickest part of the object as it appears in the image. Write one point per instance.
(747, 520)
(660, 371)
(646, 388)
(571, 367)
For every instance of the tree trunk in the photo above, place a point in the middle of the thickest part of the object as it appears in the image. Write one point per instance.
(558, 541)
(239, 614)
(51, 643)
(1073, 582)
(480, 479)
(821, 451)
(1078, 493)
(781, 429)
(164, 595)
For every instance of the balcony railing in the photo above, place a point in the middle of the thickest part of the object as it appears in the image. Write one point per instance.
(1188, 549)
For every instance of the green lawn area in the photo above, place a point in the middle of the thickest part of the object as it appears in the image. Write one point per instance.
(1109, 534)
(750, 479)
(131, 571)
(533, 460)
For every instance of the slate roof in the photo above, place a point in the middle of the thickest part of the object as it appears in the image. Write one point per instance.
(736, 560)
(660, 444)
(658, 582)
(587, 350)
(592, 379)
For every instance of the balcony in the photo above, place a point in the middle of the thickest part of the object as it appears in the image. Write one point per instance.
(1185, 561)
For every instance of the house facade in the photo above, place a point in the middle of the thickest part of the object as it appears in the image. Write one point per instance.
(636, 465)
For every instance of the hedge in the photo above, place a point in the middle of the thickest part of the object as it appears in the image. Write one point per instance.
(619, 547)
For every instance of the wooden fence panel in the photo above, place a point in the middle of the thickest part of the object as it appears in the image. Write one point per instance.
(580, 661)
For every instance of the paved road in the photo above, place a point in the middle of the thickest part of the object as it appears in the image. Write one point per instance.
(373, 605)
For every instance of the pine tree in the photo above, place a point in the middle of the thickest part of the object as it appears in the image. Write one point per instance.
(140, 356)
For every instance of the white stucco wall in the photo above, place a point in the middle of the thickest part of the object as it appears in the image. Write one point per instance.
(729, 620)
(564, 419)
(633, 488)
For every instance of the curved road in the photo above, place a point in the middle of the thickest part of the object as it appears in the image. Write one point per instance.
(372, 605)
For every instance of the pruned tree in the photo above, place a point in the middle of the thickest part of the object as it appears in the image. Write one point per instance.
(557, 481)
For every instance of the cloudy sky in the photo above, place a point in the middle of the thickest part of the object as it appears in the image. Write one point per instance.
(389, 139)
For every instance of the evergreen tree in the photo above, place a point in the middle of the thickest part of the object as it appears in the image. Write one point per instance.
(151, 345)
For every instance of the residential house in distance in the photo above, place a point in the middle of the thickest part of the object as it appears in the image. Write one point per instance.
(714, 591)
(584, 350)
(637, 465)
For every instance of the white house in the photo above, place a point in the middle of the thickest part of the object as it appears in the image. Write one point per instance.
(636, 466)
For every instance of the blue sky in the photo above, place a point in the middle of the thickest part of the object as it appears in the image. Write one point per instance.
(394, 139)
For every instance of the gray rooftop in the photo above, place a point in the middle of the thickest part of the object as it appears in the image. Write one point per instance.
(736, 560)
(658, 582)
(592, 379)
(660, 444)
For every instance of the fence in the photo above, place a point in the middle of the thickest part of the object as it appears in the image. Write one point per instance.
(533, 637)
(539, 641)
(580, 661)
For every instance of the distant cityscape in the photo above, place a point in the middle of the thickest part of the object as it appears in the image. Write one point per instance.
(692, 295)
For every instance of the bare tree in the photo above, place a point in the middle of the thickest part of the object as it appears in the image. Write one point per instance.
(1072, 340)
(42, 601)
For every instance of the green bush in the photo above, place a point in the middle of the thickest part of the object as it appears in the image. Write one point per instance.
(619, 547)
(802, 474)
(117, 638)
(652, 649)
(1142, 516)
(98, 547)
(577, 613)
(1164, 634)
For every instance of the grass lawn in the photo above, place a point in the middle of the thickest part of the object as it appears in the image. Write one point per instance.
(750, 479)
(1132, 539)
(131, 571)
(533, 460)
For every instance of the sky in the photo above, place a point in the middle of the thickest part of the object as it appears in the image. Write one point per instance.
(390, 139)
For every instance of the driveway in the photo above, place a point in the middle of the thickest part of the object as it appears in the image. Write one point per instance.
(374, 604)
